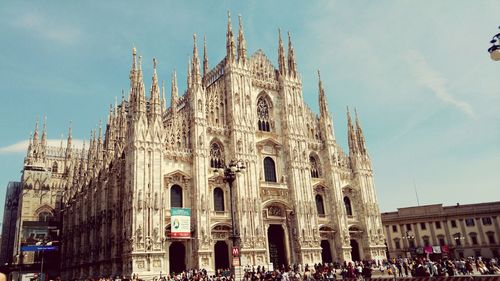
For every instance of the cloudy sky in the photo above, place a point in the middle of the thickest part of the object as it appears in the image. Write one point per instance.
(417, 71)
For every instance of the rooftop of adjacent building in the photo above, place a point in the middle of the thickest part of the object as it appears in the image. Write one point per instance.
(434, 210)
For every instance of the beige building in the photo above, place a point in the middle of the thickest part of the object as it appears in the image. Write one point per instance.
(300, 198)
(454, 231)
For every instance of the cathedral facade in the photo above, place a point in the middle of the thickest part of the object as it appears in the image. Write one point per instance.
(300, 199)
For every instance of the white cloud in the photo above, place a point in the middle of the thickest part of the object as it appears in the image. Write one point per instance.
(22, 146)
(46, 29)
(432, 79)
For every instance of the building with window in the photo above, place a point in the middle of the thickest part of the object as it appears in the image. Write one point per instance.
(437, 230)
(300, 199)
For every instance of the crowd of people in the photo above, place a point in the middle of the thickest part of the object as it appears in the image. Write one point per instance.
(400, 267)
(422, 267)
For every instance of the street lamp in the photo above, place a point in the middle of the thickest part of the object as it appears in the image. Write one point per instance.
(408, 237)
(494, 50)
(228, 174)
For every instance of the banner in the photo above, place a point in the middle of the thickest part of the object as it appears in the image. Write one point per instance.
(180, 222)
(428, 249)
(436, 249)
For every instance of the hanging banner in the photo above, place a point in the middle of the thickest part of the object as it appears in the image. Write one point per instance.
(444, 249)
(428, 250)
(436, 249)
(180, 222)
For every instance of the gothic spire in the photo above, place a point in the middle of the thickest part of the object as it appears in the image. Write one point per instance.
(359, 134)
(44, 132)
(281, 55)
(196, 63)
(323, 105)
(133, 69)
(242, 46)
(69, 143)
(163, 99)
(174, 92)
(292, 65)
(189, 80)
(229, 40)
(353, 144)
(205, 56)
(154, 98)
(35, 134)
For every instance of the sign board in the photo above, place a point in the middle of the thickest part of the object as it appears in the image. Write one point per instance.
(236, 261)
(35, 248)
(236, 252)
(180, 222)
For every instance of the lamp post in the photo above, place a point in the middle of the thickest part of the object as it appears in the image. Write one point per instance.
(408, 237)
(458, 239)
(494, 50)
(229, 173)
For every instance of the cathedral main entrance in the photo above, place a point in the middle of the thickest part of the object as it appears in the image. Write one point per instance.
(221, 255)
(177, 257)
(276, 242)
(355, 250)
(326, 253)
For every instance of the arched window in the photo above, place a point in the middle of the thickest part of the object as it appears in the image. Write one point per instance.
(54, 167)
(269, 170)
(176, 197)
(319, 205)
(45, 216)
(348, 208)
(315, 171)
(263, 115)
(216, 155)
(218, 199)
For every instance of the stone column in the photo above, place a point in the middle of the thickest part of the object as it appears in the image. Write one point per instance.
(481, 232)
(464, 232)
(447, 232)
(433, 233)
(417, 235)
(389, 238)
(497, 227)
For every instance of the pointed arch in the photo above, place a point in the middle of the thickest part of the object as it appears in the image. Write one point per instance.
(315, 164)
(216, 154)
(264, 112)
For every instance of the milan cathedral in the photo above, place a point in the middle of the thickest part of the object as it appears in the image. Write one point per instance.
(300, 199)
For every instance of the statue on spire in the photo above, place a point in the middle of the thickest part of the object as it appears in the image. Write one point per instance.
(292, 65)
(281, 55)
(230, 50)
(242, 48)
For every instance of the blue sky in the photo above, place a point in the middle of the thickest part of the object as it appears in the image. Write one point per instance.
(417, 71)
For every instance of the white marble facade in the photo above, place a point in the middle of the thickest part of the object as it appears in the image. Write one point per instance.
(301, 199)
